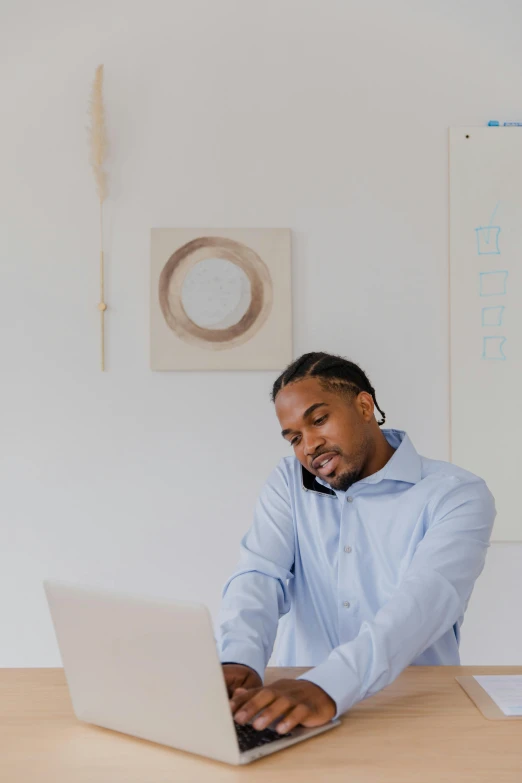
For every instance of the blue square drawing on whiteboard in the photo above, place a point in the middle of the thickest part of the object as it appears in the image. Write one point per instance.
(487, 240)
(493, 283)
(493, 348)
(493, 316)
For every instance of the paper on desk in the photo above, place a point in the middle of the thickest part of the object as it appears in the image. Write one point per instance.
(505, 690)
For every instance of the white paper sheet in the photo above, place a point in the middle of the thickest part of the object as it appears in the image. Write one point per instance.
(486, 313)
(505, 690)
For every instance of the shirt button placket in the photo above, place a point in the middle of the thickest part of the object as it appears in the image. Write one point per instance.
(348, 550)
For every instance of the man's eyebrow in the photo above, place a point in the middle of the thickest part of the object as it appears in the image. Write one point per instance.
(308, 412)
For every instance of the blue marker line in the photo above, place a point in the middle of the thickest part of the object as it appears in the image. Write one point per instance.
(491, 220)
(493, 316)
(487, 282)
(493, 348)
(493, 215)
(496, 124)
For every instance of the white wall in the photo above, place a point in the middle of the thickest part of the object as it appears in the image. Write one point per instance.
(327, 117)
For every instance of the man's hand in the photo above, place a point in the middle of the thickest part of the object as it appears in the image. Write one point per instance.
(294, 701)
(239, 676)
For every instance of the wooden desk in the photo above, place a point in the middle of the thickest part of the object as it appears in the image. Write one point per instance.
(421, 729)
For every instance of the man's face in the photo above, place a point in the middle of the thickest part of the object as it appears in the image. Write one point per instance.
(329, 431)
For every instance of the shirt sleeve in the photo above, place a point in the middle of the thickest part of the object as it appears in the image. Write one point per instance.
(430, 599)
(256, 595)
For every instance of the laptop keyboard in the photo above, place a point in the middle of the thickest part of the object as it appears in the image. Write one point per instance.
(249, 738)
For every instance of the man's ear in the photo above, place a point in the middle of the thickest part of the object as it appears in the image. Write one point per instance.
(366, 405)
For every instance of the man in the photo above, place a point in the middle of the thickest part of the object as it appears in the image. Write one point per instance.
(369, 550)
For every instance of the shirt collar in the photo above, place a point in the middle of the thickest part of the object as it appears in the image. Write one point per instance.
(404, 465)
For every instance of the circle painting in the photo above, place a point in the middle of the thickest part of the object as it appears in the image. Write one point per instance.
(215, 292)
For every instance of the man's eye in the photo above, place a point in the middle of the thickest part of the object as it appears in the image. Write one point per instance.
(294, 441)
(321, 419)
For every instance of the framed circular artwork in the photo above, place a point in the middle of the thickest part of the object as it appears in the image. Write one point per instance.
(220, 299)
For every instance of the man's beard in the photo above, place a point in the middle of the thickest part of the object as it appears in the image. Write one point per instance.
(345, 480)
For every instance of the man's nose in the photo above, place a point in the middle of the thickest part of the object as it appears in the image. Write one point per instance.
(312, 443)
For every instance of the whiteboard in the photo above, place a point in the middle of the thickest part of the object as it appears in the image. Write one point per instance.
(486, 314)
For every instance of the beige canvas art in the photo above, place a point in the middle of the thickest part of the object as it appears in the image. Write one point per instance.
(220, 299)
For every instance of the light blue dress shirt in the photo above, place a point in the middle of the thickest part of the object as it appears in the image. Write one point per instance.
(366, 581)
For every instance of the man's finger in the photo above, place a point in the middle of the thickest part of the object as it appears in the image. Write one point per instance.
(233, 681)
(240, 696)
(279, 708)
(254, 705)
(231, 684)
(237, 676)
(293, 718)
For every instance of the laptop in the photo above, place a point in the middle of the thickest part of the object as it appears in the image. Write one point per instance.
(149, 668)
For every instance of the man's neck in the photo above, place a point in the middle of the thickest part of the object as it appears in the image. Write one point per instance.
(381, 455)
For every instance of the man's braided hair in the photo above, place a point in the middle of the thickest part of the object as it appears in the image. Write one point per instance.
(335, 373)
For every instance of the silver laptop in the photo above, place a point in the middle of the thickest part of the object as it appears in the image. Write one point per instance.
(150, 668)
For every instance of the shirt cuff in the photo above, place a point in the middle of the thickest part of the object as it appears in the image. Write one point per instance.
(237, 653)
(338, 681)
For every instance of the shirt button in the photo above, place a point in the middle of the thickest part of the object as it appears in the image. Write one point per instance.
(349, 499)
(346, 604)
(348, 549)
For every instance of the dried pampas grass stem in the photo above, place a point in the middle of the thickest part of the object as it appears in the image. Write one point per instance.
(98, 145)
